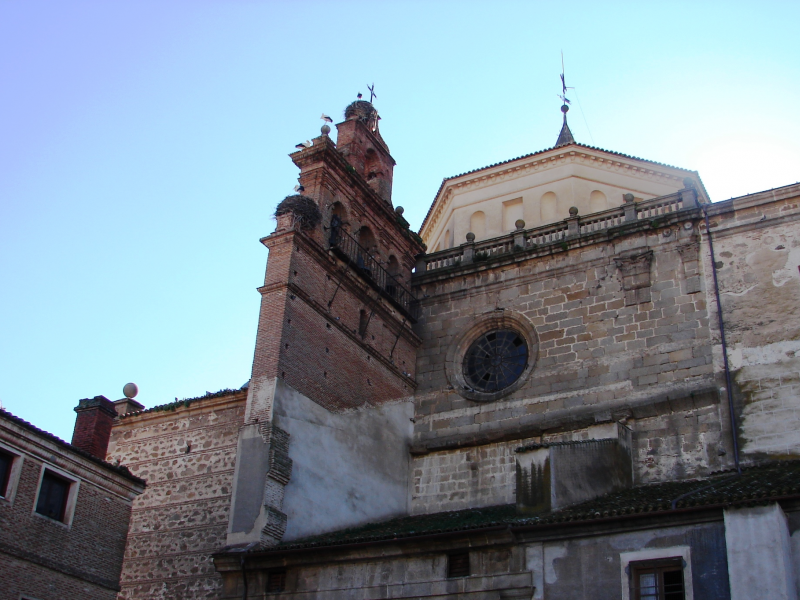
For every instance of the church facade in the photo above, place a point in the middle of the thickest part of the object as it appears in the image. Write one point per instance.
(536, 397)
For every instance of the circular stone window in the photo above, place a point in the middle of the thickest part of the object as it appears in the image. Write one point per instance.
(493, 357)
(495, 360)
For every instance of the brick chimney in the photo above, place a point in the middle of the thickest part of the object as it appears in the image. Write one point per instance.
(93, 425)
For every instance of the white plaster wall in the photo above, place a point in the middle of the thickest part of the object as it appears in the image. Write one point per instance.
(572, 180)
(759, 554)
(348, 468)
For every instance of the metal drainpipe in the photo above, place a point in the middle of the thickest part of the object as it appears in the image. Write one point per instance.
(244, 579)
(728, 381)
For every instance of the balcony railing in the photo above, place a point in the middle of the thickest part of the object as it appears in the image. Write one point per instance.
(557, 232)
(366, 265)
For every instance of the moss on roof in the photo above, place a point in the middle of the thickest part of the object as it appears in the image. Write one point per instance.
(184, 402)
(756, 485)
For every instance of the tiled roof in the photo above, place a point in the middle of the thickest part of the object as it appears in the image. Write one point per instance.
(565, 137)
(119, 469)
(184, 402)
(777, 480)
(510, 160)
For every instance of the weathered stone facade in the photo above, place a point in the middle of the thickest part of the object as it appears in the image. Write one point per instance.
(577, 472)
(187, 454)
(757, 247)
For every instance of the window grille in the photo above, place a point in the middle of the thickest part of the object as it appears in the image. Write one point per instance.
(458, 564)
(276, 581)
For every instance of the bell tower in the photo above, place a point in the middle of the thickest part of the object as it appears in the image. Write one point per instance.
(335, 324)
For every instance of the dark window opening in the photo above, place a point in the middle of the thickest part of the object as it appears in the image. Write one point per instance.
(495, 360)
(458, 564)
(363, 322)
(658, 580)
(53, 496)
(6, 460)
(276, 581)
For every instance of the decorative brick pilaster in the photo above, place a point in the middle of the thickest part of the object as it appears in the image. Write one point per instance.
(278, 475)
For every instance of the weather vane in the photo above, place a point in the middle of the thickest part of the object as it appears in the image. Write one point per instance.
(564, 88)
(372, 94)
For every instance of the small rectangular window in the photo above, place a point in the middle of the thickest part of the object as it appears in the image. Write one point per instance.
(276, 581)
(6, 460)
(53, 496)
(657, 580)
(458, 564)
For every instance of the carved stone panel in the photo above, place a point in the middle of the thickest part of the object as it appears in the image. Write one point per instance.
(634, 269)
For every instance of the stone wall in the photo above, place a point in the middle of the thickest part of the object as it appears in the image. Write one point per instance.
(622, 331)
(483, 475)
(559, 563)
(757, 247)
(187, 455)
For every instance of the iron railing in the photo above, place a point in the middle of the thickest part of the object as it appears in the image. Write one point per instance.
(366, 265)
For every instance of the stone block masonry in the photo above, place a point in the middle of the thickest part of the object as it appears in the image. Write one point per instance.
(187, 455)
(599, 355)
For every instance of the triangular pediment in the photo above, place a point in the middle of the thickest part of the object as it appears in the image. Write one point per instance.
(540, 188)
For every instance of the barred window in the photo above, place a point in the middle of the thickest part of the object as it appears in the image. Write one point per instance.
(276, 581)
(458, 564)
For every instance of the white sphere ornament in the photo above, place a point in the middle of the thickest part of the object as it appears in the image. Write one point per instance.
(130, 390)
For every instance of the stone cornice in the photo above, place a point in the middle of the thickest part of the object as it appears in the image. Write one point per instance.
(545, 160)
(149, 417)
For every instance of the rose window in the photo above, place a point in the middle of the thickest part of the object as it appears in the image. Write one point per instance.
(495, 360)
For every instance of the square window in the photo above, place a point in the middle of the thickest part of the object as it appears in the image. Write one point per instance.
(657, 580)
(276, 581)
(53, 496)
(6, 461)
(458, 564)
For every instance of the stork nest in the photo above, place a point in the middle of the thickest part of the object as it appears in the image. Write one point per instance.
(305, 210)
(362, 109)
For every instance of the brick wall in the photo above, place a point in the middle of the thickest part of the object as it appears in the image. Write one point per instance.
(187, 455)
(51, 560)
(311, 329)
(320, 350)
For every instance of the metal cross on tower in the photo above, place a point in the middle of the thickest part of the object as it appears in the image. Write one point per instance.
(372, 94)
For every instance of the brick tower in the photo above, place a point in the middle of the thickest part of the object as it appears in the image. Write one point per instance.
(335, 325)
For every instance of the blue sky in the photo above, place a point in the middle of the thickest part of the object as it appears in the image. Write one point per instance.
(143, 148)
